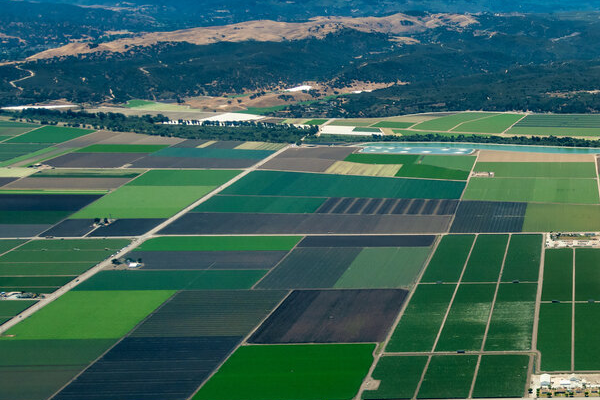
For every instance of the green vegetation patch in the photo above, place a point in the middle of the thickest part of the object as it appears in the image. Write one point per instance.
(587, 358)
(261, 204)
(448, 377)
(511, 327)
(449, 259)
(561, 218)
(392, 124)
(587, 274)
(384, 267)
(399, 377)
(316, 121)
(172, 280)
(90, 315)
(87, 173)
(422, 319)
(554, 336)
(558, 275)
(366, 129)
(494, 124)
(501, 376)
(449, 122)
(52, 352)
(465, 325)
(462, 163)
(486, 259)
(50, 134)
(122, 148)
(395, 159)
(556, 131)
(276, 183)
(211, 152)
(523, 258)
(220, 243)
(8, 244)
(144, 202)
(538, 169)
(431, 172)
(549, 190)
(44, 268)
(10, 308)
(11, 128)
(158, 177)
(33, 217)
(290, 372)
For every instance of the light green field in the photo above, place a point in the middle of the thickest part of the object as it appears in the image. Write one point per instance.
(350, 168)
(220, 243)
(90, 315)
(8, 172)
(494, 124)
(50, 134)
(157, 177)
(541, 190)
(384, 267)
(449, 122)
(462, 163)
(392, 124)
(143, 202)
(154, 106)
(538, 169)
(260, 146)
(561, 218)
(318, 121)
(290, 372)
(556, 131)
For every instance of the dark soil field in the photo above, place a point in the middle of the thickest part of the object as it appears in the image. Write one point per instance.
(366, 241)
(316, 159)
(210, 313)
(155, 161)
(127, 227)
(71, 228)
(149, 368)
(208, 259)
(234, 223)
(43, 202)
(332, 316)
(93, 160)
(487, 216)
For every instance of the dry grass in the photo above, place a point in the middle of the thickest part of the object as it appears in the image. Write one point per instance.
(260, 146)
(350, 168)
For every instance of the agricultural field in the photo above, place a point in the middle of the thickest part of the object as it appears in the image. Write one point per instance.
(201, 269)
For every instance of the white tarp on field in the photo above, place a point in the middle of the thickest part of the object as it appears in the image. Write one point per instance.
(232, 117)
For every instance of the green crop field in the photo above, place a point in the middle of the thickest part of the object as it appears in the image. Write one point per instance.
(565, 125)
(11, 128)
(395, 159)
(520, 130)
(495, 124)
(90, 315)
(561, 218)
(431, 172)
(587, 274)
(449, 122)
(88, 173)
(465, 325)
(70, 352)
(296, 372)
(554, 336)
(523, 258)
(159, 177)
(316, 121)
(449, 259)
(486, 259)
(392, 124)
(12, 308)
(33, 217)
(384, 267)
(511, 326)
(399, 377)
(501, 376)
(576, 191)
(122, 148)
(587, 358)
(44, 268)
(220, 243)
(50, 134)
(538, 169)
(461, 163)
(8, 244)
(172, 280)
(144, 202)
(261, 204)
(422, 319)
(558, 275)
(448, 377)
(274, 183)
